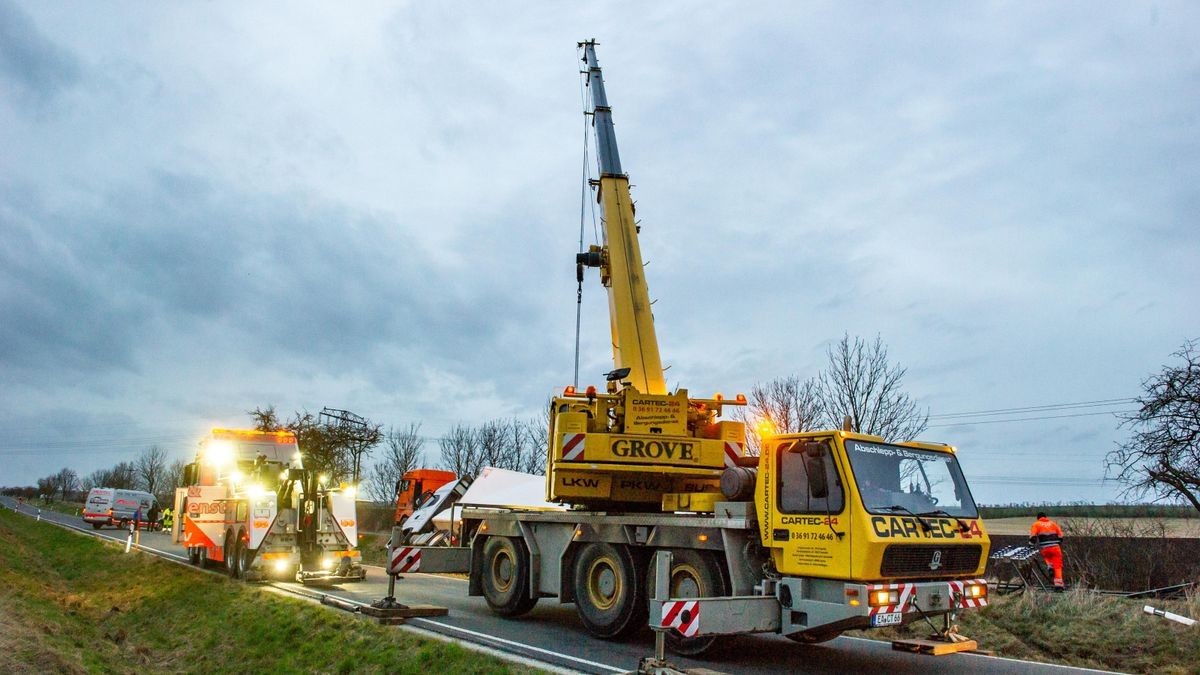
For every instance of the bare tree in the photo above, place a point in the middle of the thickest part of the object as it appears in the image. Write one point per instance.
(493, 443)
(403, 452)
(48, 487)
(265, 419)
(459, 451)
(1163, 455)
(320, 449)
(68, 483)
(507, 443)
(122, 476)
(151, 469)
(861, 384)
(173, 479)
(534, 440)
(359, 445)
(783, 405)
(329, 447)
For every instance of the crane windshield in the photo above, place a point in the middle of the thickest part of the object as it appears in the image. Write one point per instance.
(893, 479)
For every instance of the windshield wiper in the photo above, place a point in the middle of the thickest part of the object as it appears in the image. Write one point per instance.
(924, 523)
(962, 524)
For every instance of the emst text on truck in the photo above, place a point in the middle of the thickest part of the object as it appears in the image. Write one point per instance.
(823, 532)
(251, 506)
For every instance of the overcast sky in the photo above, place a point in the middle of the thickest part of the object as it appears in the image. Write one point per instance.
(210, 207)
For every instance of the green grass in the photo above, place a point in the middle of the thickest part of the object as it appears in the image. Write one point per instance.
(72, 604)
(1080, 629)
(373, 547)
(69, 508)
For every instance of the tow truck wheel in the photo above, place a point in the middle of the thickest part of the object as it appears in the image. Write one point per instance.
(608, 587)
(814, 638)
(694, 574)
(245, 556)
(201, 557)
(97, 526)
(506, 577)
(193, 553)
(230, 552)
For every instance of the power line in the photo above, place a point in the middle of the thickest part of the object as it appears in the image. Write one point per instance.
(1028, 419)
(1036, 408)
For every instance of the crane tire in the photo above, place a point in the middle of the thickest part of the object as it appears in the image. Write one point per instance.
(609, 589)
(694, 574)
(506, 576)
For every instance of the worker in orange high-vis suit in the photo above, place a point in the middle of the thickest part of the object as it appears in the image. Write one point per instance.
(1047, 536)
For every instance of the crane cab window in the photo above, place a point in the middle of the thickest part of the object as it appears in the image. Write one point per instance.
(896, 479)
(808, 479)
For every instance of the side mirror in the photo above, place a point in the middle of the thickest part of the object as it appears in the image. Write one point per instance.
(818, 487)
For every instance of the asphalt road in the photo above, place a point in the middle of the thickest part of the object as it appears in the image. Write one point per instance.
(552, 633)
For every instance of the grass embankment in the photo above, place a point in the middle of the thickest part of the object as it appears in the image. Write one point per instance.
(69, 508)
(373, 546)
(1080, 629)
(71, 604)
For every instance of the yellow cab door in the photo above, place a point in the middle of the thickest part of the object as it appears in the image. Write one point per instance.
(805, 513)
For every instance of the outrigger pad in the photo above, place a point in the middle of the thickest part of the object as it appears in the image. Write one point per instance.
(397, 613)
(935, 647)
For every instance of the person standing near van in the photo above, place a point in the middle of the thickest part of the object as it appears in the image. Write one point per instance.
(1048, 536)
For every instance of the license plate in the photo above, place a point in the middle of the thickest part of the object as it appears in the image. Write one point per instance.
(889, 619)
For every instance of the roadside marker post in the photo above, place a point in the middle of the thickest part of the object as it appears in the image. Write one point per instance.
(1177, 618)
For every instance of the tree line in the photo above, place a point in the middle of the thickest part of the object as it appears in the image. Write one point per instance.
(150, 471)
(859, 386)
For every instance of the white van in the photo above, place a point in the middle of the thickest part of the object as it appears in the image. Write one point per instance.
(107, 506)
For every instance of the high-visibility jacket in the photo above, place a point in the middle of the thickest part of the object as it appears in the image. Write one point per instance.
(1045, 533)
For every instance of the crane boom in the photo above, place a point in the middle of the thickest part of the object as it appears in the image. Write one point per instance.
(634, 341)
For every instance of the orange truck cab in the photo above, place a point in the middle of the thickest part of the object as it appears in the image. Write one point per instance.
(415, 486)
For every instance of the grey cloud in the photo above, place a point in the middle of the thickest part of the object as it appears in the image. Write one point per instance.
(39, 68)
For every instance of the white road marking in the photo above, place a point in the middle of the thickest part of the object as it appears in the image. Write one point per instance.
(522, 645)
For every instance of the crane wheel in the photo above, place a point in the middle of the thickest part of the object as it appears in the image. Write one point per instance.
(608, 590)
(506, 576)
(694, 574)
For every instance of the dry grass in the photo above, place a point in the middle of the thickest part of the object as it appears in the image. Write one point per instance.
(1082, 526)
(1081, 629)
(70, 604)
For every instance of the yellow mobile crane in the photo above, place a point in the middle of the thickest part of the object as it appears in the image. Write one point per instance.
(635, 446)
(824, 532)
